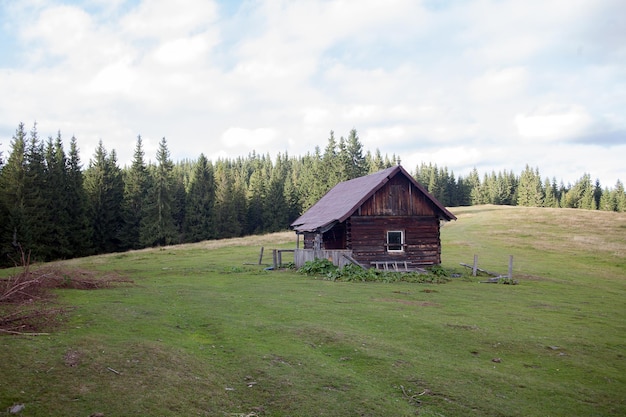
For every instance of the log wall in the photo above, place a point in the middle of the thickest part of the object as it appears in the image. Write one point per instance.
(421, 238)
(398, 197)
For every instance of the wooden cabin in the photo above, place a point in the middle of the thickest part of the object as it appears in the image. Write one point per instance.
(379, 220)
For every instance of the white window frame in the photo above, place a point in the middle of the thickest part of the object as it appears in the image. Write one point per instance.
(401, 244)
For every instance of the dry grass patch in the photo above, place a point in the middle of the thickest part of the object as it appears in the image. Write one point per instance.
(25, 296)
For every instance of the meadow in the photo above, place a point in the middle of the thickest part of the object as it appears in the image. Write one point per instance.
(203, 330)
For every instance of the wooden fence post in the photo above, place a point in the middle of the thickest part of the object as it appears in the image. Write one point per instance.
(274, 260)
(261, 256)
(510, 266)
(475, 267)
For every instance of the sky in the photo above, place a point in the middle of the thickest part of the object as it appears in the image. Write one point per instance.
(488, 84)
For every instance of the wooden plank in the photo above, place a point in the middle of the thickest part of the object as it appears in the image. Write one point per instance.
(352, 260)
(480, 270)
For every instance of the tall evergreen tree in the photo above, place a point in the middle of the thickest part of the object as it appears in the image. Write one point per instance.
(227, 202)
(292, 196)
(529, 191)
(607, 201)
(135, 195)
(275, 205)
(105, 193)
(597, 194)
(330, 169)
(620, 197)
(36, 198)
(200, 217)
(352, 161)
(157, 223)
(12, 183)
(256, 195)
(475, 189)
(179, 199)
(581, 194)
(550, 200)
(463, 192)
(311, 183)
(56, 194)
(79, 230)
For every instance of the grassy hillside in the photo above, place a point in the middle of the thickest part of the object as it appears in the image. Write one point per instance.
(203, 332)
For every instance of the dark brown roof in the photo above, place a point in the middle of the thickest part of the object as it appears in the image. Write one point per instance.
(344, 198)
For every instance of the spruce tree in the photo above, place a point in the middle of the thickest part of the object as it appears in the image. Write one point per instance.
(529, 191)
(550, 199)
(474, 186)
(351, 160)
(275, 208)
(157, 223)
(292, 197)
(105, 193)
(607, 201)
(79, 229)
(228, 203)
(180, 179)
(597, 194)
(57, 216)
(256, 194)
(200, 216)
(135, 194)
(620, 197)
(12, 182)
(329, 167)
(36, 199)
(581, 194)
(377, 163)
(311, 183)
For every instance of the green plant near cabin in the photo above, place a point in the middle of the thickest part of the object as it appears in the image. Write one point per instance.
(439, 271)
(326, 270)
(507, 281)
(318, 267)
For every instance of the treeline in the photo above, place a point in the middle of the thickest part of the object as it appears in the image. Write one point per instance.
(54, 208)
(527, 189)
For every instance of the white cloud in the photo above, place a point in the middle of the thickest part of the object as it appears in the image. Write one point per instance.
(183, 51)
(553, 122)
(113, 79)
(241, 138)
(497, 84)
(61, 29)
(165, 19)
(462, 157)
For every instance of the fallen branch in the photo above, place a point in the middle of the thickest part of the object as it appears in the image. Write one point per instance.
(23, 333)
(114, 371)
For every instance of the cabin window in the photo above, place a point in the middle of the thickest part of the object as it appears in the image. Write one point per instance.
(395, 241)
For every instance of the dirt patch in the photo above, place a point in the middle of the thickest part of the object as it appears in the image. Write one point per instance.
(407, 302)
(72, 358)
(463, 326)
(25, 298)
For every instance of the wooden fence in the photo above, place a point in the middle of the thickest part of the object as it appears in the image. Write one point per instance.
(338, 257)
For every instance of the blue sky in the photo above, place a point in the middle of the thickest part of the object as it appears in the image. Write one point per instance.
(491, 84)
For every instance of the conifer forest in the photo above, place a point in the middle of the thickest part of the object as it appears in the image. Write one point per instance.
(54, 206)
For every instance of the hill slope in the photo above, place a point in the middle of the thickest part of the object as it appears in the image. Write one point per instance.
(204, 333)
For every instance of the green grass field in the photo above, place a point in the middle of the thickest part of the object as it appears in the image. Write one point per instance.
(205, 332)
